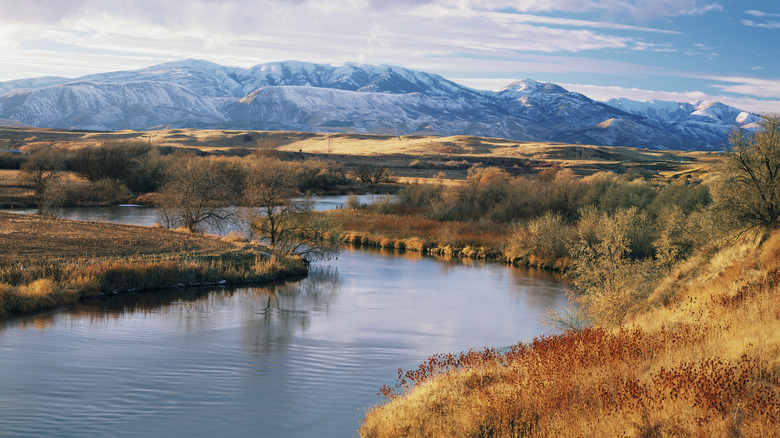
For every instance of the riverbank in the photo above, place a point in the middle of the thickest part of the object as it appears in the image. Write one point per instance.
(477, 240)
(47, 263)
(699, 358)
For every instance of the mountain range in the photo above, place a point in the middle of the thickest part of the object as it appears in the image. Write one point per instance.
(301, 96)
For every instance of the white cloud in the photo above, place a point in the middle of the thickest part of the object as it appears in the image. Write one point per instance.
(258, 31)
(765, 25)
(761, 14)
(753, 86)
(640, 10)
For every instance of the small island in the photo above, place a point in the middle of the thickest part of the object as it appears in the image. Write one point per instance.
(48, 262)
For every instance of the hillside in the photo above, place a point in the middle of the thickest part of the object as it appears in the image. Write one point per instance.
(699, 359)
(350, 98)
(408, 156)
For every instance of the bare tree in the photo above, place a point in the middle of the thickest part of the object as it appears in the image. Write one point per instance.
(749, 192)
(42, 172)
(114, 160)
(197, 192)
(283, 222)
(371, 174)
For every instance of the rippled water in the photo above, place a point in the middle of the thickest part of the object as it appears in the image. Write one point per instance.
(296, 360)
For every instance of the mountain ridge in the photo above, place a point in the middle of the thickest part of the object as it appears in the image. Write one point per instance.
(356, 98)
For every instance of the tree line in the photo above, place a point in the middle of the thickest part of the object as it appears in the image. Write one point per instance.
(194, 192)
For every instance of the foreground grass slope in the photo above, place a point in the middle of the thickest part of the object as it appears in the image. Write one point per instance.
(46, 263)
(702, 358)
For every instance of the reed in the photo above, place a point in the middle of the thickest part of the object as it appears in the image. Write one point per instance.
(477, 240)
(27, 286)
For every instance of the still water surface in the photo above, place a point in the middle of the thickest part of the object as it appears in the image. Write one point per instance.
(301, 359)
(138, 215)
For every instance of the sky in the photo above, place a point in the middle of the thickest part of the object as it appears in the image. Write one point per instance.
(682, 50)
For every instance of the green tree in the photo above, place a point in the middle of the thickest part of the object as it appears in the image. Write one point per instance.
(749, 190)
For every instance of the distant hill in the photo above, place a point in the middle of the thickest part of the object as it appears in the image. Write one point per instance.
(298, 96)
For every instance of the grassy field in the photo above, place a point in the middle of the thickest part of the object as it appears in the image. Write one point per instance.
(407, 156)
(51, 262)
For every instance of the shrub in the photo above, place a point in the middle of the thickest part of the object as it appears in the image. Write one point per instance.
(544, 240)
(610, 283)
(352, 202)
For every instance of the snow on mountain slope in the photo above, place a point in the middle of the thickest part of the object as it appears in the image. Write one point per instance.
(327, 109)
(357, 98)
(30, 84)
(675, 112)
(707, 121)
(87, 105)
(214, 80)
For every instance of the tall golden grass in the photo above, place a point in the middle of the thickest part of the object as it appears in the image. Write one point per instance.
(31, 285)
(702, 359)
(476, 240)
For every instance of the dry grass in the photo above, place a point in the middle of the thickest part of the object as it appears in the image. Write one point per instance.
(702, 360)
(477, 240)
(52, 262)
(32, 237)
(395, 152)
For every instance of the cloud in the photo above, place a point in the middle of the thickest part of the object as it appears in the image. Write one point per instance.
(636, 10)
(753, 86)
(761, 14)
(765, 25)
(347, 30)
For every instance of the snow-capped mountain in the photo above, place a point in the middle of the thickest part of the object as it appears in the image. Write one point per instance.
(355, 98)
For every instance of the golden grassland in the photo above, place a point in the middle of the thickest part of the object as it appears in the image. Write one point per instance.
(407, 156)
(701, 358)
(46, 263)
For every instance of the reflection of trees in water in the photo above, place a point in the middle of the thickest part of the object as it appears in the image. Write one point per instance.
(540, 289)
(103, 310)
(192, 304)
(287, 309)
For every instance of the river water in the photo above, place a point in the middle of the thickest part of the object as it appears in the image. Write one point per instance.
(301, 359)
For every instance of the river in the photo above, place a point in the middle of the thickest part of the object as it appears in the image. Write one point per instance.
(301, 359)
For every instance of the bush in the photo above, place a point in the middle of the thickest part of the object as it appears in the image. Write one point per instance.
(419, 195)
(318, 175)
(9, 160)
(610, 283)
(352, 202)
(544, 241)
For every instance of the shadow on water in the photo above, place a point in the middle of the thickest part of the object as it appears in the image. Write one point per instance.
(286, 302)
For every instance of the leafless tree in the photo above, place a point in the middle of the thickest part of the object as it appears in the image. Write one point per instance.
(197, 193)
(42, 172)
(371, 174)
(285, 223)
(749, 191)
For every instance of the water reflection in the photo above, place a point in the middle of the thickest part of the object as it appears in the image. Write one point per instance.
(297, 359)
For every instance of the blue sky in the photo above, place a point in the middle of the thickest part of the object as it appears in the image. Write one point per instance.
(684, 50)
